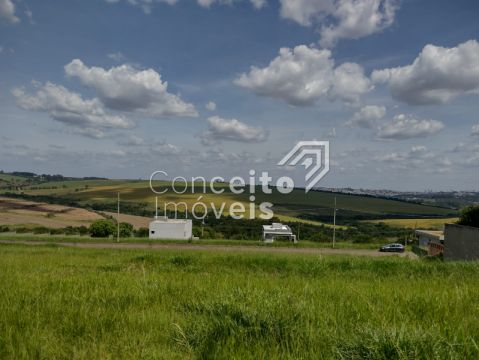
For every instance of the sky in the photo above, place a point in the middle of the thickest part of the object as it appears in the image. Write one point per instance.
(122, 88)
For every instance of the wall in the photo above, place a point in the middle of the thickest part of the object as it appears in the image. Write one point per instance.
(461, 242)
(171, 230)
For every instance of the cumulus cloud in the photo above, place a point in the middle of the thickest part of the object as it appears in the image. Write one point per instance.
(341, 19)
(211, 106)
(88, 117)
(220, 129)
(406, 127)
(126, 88)
(367, 117)
(436, 76)
(303, 75)
(7, 12)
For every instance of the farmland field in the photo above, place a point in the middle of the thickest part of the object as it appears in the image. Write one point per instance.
(60, 302)
(433, 224)
(314, 206)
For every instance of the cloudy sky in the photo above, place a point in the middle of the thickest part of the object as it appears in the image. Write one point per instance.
(121, 88)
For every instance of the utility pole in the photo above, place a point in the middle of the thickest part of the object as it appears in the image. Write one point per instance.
(118, 221)
(334, 223)
(156, 207)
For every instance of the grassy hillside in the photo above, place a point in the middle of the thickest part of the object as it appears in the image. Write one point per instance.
(314, 206)
(100, 304)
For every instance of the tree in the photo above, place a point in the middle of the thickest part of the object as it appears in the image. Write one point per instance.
(470, 216)
(126, 229)
(102, 228)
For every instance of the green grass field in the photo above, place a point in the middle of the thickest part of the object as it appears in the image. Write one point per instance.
(59, 303)
(291, 205)
(435, 224)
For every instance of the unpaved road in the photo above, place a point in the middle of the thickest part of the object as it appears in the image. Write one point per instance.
(221, 248)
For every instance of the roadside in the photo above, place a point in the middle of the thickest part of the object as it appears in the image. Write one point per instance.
(221, 248)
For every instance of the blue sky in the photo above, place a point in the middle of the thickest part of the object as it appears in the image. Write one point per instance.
(120, 88)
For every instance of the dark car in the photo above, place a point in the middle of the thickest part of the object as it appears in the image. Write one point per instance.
(392, 248)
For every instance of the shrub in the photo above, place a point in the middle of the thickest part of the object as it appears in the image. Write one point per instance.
(102, 228)
(126, 229)
(470, 216)
(4, 228)
(142, 232)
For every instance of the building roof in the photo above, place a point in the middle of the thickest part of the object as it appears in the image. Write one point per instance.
(277, 228)
(439, 235)
(163, 219)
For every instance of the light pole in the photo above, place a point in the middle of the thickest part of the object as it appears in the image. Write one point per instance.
(334, 223)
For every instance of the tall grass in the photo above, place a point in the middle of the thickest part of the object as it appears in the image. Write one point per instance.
(85, 304)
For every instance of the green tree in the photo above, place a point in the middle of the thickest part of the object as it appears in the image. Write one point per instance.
(102, 228)
(470, 216)
(126, 229)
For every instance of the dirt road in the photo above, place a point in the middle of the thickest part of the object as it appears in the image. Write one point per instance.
(221, 248)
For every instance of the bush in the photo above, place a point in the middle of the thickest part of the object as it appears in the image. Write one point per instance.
(470, 216)
(4, 228)
(142, 232)
(102, 228)
(126, 229)
(41, 230)
(82, 230)
(57, 231)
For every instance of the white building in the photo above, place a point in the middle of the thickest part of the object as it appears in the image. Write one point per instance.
(271, 232)
(426, 236)
(164, 228)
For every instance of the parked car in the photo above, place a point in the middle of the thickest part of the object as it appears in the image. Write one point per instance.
(392, 248)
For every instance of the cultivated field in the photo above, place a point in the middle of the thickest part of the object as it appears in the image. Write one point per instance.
(124, 304)
(297, 203)
(433, 224)
(29, 213)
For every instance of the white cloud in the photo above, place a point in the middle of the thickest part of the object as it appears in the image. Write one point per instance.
(436, 76)
(220, 129)
(211, 106)
(258, 4)
(7, 12)
(303, 75)
(145, 5)
(341, 19)
(166, 149)
(475, 130)
(88, 117)
(414, 157)
(132, 140)
(126, 88)
(406, 127)
(367, 117)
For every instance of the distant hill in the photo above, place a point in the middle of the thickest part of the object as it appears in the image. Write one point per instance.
(138, 199)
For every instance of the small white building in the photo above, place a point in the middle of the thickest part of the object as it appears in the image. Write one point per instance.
(177, 229)
(275, 230)
(426, 236)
